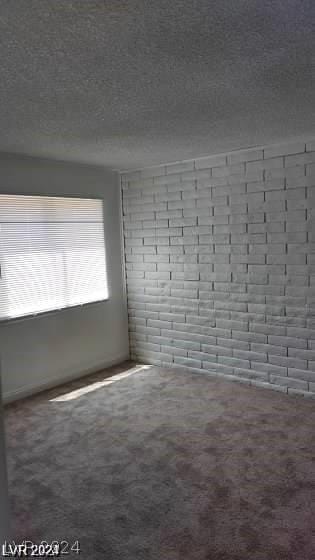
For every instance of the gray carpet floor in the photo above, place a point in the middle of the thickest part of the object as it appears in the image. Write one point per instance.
(165, 465)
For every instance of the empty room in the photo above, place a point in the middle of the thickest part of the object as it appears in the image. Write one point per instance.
(157, 279)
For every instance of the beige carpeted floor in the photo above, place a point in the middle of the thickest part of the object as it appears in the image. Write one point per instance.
(165, 465)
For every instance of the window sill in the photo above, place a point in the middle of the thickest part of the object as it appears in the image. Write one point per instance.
(9, 321)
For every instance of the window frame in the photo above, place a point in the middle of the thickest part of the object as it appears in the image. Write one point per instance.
(77, 306)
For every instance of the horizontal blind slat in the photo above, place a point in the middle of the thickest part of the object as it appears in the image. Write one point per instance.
(46, 262)
(24, 208)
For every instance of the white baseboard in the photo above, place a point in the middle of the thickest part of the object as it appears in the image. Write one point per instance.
(29, 390)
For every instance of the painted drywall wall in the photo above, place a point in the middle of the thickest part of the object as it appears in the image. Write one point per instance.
(48, 349)
(220, 265)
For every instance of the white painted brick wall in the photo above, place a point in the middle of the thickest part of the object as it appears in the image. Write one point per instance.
(220, 265)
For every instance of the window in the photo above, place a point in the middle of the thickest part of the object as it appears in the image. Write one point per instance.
(52, 254)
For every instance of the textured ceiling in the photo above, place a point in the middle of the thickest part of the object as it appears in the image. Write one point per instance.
(134, 83)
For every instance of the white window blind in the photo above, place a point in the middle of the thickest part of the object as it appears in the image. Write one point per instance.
(52, 254)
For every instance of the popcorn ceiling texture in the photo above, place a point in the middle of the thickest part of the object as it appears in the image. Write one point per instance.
(220, 265)
(136, 83)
